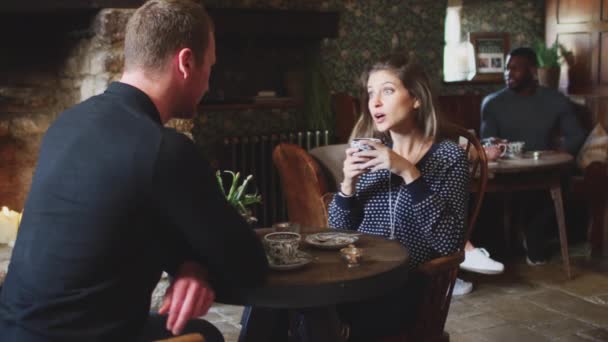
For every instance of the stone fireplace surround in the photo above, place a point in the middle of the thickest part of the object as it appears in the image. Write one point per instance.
(49, 62)
(53, 58)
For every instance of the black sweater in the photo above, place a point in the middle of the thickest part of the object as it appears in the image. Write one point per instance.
(116, 199)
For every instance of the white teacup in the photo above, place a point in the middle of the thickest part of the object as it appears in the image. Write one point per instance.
(282, 247)
(362, 143)
(515, 148)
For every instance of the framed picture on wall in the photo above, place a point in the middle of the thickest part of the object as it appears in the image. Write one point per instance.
(490, 52)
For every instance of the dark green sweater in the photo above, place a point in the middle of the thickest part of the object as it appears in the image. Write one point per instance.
(532, 119)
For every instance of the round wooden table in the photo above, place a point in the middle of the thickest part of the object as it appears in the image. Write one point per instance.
(522, 174)
(548, 160)
(313, 290)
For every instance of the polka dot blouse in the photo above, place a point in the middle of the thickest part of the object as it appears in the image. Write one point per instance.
(429, 213)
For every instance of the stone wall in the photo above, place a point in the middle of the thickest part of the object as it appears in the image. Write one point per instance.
(64, 68)
(41, 76)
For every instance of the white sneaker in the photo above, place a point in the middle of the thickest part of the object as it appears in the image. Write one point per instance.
(478, 260)
(462, 287)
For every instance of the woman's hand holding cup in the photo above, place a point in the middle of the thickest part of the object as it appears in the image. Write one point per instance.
(493, 152)
(382, 157)
(352, 170)
(352, 164)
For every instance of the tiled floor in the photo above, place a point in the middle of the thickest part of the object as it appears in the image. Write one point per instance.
(523, 304)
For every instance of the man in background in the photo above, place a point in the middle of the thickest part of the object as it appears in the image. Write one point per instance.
(117, 199)
(525, 111)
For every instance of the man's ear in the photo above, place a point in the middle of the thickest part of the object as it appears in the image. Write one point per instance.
(185, 62)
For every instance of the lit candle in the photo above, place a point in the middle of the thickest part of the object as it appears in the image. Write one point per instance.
(9, 223)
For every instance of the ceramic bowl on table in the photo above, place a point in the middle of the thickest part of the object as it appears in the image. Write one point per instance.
(331, 240)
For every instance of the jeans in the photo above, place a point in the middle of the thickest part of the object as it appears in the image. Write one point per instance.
(156, 329)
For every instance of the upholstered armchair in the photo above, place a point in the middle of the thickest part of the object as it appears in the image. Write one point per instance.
(304, 185)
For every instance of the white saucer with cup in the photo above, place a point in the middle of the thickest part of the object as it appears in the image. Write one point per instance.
(515, 149)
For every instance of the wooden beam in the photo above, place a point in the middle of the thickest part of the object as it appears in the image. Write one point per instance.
(21, 6)
(229, 22)
(257, 23)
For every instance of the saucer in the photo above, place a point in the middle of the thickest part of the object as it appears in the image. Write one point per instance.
(331, 240)
(303, 259)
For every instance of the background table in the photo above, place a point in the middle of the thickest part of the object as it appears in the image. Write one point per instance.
(523, 174)
(314, 290)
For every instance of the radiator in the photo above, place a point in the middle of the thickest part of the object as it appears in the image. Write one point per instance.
(253, 155)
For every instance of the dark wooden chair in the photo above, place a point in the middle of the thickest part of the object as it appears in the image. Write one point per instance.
(440, 272)
(478, 168)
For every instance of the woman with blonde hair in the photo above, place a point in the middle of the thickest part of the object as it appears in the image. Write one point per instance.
(409, 187)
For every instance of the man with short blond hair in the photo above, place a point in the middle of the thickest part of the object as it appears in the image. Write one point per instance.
(117, 199)
(152, 35)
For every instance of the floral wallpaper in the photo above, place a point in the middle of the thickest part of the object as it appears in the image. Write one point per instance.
(370, 29)
(524, 20)
(367, 30)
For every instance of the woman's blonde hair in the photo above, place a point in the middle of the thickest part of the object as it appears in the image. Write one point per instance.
(417, 83)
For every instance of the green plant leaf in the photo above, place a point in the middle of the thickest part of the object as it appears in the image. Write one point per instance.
(233, 185)
(218, 176)
(241, 188)
(237, 196)
(549, 57)
(241, 208)
(250, 199)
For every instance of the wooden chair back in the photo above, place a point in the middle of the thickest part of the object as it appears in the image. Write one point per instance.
(303, 183)
(463, 110)
(478, 166)
(185, 338)
(440, 273)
